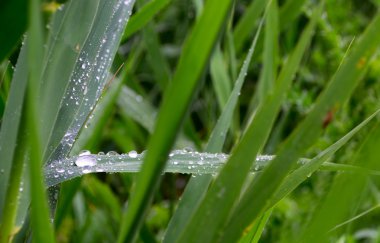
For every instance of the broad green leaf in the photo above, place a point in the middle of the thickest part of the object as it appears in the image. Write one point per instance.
(195, 54)
(224, 192)
(257, 197)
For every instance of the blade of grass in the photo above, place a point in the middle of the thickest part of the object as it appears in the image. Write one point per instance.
(257, 229)
(195, 54)
(213, 212)
(143, 17)
(344, 193)
(257, 197)
(301, 174)
(197, 187)
(40, 218)
(245, 25)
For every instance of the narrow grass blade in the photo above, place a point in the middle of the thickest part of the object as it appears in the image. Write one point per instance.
(195, 54)
(220, 78)
(344, 193)
(257, 197)
(245, 25)
(40, 215)
(302, 173)
(134, 106)
(257, 228)
(144, 16)
(11, 123)
(197, 187)
(225, 191)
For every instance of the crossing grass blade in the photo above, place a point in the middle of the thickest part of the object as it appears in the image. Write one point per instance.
(257, 197)
(225, 191)
(197, 187)
(195, 54)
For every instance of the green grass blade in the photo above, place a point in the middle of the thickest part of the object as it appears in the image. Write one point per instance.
(10, 125)
(245, 25)
(144, 16)
(88, 77)
(195, 54)
(40, 215)
(197, 187)
(270, 53)
(301, 174)
(258, 195)
(256, 229)
(220, 78)
(214, 211)
(134, 106)
(345, 192)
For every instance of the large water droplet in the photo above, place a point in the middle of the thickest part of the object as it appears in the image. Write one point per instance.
(132, 154)
(85, 159)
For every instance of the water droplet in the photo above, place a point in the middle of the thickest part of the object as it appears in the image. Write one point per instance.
(85, 159)
(101, 153)
(60, 170)
(132, 154)
(110, 153)
(83, 66)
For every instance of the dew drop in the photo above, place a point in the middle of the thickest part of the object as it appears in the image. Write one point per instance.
(85, 159)
(132, 154)
(110, 153)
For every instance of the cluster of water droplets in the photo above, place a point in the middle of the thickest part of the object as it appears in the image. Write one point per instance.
(179, 161)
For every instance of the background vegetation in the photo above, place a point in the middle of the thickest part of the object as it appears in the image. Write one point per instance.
(199, 90)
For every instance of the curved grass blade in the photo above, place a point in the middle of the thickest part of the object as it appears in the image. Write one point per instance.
(257, 197)
(225, 191)
(195, 54)
(197, 187)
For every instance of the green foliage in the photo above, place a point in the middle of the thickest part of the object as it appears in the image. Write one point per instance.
(261, 116)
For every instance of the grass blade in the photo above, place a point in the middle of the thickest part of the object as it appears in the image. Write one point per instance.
(231, 178)
(143, 17)
(195, 54)
(258, 195)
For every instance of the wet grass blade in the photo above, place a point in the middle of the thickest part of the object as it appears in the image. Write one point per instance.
(257, 197)
(195, 54)
(225, 191)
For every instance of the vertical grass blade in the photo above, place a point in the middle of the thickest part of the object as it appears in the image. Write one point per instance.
(257, 197)
(198, 186)
(40, 218)
(225, 191)
(195, 54)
